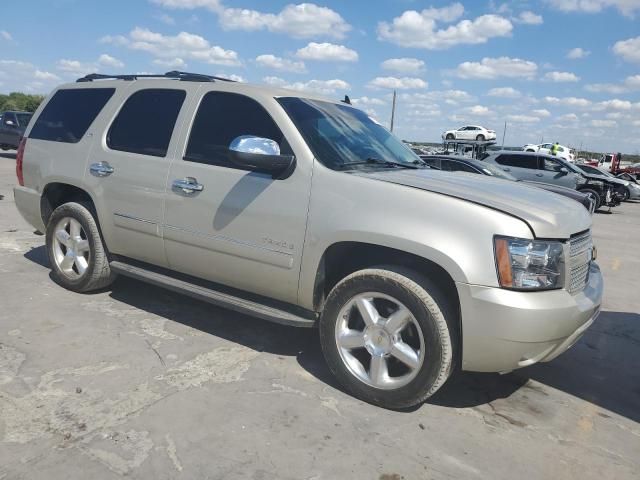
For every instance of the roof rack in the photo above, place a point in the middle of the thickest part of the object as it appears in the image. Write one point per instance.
(174, 74)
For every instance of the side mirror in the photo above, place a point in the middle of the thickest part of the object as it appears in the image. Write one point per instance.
(261, 155)
(9, 123)
(563, 170)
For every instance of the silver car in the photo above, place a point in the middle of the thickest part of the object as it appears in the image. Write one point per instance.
(305, 211)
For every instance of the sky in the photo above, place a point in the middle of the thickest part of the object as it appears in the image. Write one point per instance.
(553, 70)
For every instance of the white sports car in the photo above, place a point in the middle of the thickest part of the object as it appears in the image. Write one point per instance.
(563, 152)
(470, 132)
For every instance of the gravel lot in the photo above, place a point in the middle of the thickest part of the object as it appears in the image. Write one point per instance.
(143, 383)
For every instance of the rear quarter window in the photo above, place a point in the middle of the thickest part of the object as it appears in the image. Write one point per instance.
(69, 114)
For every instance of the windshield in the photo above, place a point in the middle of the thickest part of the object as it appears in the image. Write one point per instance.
(341, 136)
(23, 118)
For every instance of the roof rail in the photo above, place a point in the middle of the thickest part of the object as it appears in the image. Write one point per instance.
(174, 74)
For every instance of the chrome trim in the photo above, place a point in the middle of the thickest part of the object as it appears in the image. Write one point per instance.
(101, 169)
(130, 217)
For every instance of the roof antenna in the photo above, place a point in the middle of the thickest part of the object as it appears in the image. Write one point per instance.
(347, 100)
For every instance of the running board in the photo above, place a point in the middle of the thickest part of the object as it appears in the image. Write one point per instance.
(215, 297)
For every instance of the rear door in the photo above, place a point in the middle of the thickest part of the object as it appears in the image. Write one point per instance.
(242, 228)
(523, 167)
(128, 166)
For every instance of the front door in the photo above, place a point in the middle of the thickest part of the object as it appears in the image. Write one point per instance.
(9, 130)
(551, 172)
(127, 169)
(236, 227)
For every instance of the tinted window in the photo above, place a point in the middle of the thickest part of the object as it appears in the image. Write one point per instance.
(69, 114)
(521, 161)
(23, 119)
(551, 165)
(145, 122)
(9, 117)
(220, 119)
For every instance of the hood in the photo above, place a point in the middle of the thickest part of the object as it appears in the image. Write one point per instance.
(549, 215)
(602, 178)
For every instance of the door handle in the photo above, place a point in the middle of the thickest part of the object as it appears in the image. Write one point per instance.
(538, 175)
(101, 169)
(506, 169)
(187, 185)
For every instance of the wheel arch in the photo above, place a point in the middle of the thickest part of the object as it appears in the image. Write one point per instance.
(57, 193)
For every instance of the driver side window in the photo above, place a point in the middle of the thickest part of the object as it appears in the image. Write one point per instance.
(221, 118)
(551, 165)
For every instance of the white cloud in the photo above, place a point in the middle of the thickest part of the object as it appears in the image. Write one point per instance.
(614, 104)
(281, 64)
(421, 30)
(213, 5)
(324, 87)
(629, 84)
(628, 49)
(404, 83)
(232, 76)
(367, 101)
(568, 101)
(569, 117)
(109, 61)
(6, 35)
(529, 18)
(504, 92)
(603, 123)
(167, 19)
(22, 76)
(479, 110)
(577, 53)
(175, 63)
(304, 20)
(327, 52)
(183, 45)
(632, 82)
(522, 119)
(561, 77)
(491, 68)
(542, 112)
(403, 65)
(626, 7)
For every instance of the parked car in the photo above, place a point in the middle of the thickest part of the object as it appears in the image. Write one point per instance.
(631, 190)
(563, 152)
(470, 132)
(468, 165)
(12, 127)
(547, 169)
(306, 212)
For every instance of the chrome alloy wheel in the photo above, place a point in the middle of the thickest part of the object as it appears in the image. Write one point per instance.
(379, 340)
(71, 250)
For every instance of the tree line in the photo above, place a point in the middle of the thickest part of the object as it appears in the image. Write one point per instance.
(20, 101)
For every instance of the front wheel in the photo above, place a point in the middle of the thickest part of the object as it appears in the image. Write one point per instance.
(386, 337)
(626, 194)
(78, 257)
(450, 136)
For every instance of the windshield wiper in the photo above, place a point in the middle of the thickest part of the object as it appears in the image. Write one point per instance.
(387, 163)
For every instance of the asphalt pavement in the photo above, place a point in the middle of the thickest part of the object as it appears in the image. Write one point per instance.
(143, 383)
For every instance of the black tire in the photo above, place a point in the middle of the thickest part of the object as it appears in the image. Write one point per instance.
(529, 150)
(432, 313)
(626, 194)
(594, 194)
(480, 138)
(450, 136)
(98, 274)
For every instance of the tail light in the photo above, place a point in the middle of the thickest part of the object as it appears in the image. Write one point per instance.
(19, 160)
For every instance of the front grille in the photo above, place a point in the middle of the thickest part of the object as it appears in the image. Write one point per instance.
(580, 252)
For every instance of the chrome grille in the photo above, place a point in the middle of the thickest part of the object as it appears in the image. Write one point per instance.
(580, 252)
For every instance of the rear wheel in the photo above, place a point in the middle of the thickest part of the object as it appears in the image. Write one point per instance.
(385, 336)
(480, 138)
(78, 258)
(594, 195)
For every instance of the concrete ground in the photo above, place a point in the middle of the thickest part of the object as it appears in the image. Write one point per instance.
(143, 383)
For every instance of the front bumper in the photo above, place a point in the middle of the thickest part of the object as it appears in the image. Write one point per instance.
(503, 330)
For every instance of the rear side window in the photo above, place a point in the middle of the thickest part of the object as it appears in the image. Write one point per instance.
(432, 162)
(520, 161)
(220, 119)
(70, 113)
(145, 122)
(454, 166)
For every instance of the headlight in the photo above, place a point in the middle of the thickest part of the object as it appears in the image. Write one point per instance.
(529, 264)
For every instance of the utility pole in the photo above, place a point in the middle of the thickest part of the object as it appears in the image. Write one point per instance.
(393, 110)
(504, 133)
